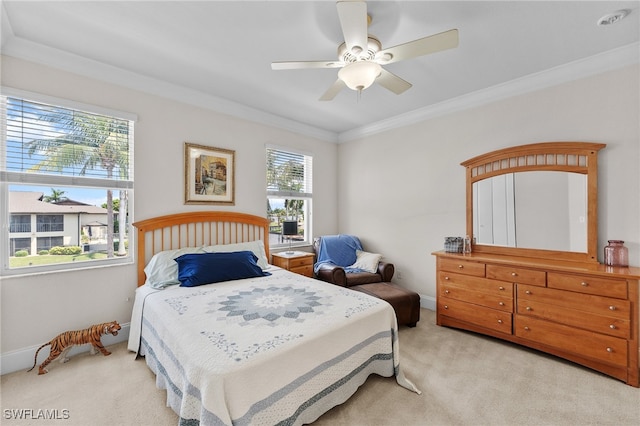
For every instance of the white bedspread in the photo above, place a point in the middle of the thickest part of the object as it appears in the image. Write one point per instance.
(281, 349)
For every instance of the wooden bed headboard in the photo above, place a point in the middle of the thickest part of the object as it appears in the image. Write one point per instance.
(195, 229)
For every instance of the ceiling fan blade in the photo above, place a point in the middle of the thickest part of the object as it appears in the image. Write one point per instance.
(392, 82)
(296, 65)
(423, 46)
(333, 90)
(353, 20)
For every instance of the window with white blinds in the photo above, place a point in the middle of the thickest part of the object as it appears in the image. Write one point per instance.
(289, 194)
(46, 142)
(68, 163)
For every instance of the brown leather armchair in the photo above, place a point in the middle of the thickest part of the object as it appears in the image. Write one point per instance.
(336, 274)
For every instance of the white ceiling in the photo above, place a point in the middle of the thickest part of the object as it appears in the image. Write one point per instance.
(218, 53)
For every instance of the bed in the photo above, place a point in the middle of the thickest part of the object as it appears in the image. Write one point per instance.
(267, 346)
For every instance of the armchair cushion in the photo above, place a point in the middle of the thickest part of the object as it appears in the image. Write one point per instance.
(367, 262)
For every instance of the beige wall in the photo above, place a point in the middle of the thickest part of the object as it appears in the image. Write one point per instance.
(403, 191)
(38, 307)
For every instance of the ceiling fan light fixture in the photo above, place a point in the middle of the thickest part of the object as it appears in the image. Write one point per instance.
(359, 75)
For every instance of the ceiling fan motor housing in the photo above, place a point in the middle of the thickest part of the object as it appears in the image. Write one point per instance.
(347, 56)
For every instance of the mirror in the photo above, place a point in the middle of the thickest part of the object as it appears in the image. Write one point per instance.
(511, 210)
(537, 200)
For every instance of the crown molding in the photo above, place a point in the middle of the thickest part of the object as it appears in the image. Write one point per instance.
(34, 52)
(606, 61)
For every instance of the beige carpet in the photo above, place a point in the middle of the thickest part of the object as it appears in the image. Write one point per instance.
(466, 379)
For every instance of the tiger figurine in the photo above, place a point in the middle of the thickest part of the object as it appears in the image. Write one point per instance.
(63, 342)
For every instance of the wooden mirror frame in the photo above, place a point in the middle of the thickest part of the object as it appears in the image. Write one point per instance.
(574, 157)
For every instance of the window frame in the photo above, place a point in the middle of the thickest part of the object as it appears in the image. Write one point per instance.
(306, 195)
(9, 178)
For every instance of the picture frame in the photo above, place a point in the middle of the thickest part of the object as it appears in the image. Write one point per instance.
(209, 175)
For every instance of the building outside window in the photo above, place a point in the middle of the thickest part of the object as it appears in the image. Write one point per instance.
(66, 183)
(289, 195)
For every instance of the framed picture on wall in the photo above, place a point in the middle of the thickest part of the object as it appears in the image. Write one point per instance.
(208, 175)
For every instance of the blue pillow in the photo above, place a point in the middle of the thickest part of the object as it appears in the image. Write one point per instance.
(196, 269)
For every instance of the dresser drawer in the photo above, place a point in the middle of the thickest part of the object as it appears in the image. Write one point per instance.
(461, 266)
(580, 319)
(465, 294)
(588, 344)
(484, 285)
(599, 305)
(588, 284)
(517, 275)
(306, 270)
(300, 261)
(478, 315)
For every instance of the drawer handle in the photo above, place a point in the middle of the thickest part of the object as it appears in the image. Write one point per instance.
(500, 288)
(528, 308)
(584, 284)
(612, 326)
(446, 292)
(527, 292)
(513, 274)
(460, 266)
(501, 303)
(499, 321)
(526, 328)
(446, 278)
(609, 350)
(446, 306)
(612, 308)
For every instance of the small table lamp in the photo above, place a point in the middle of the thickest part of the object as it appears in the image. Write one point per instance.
(290, 228)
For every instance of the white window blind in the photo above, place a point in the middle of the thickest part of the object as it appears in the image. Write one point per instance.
(289, 174)
(57, 145)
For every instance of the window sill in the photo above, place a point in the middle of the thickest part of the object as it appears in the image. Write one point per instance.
(62, 268)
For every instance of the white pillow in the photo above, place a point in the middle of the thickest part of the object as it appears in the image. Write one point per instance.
(366, 261)
(162, 269)
(257, 247)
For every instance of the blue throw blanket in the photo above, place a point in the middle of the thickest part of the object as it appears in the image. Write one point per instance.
(338, 250)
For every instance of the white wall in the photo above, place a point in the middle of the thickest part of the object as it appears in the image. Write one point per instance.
(36, 308)
(403, 191)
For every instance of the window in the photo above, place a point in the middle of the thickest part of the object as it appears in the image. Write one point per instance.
(289, 195)
(20, 244)
(67, 178)
(45, 243)
(49, 223)
(20, 223)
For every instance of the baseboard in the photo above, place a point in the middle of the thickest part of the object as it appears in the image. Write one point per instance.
(22, 359)
(428, 302)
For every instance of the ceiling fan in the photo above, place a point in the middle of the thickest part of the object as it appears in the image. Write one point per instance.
(360, 57)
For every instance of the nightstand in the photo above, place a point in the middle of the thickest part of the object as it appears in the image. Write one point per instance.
(300, 262)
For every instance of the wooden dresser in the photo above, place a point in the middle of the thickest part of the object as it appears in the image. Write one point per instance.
(584, 312)
(299, 262)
